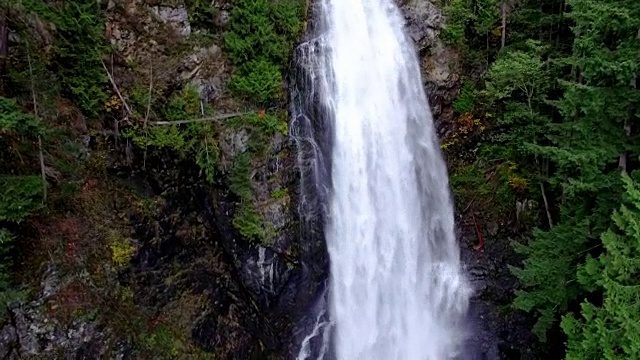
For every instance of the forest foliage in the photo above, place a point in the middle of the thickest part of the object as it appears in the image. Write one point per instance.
(558, 103)
(553, 118)
(65, 113)
(259, 43)
(39, 163)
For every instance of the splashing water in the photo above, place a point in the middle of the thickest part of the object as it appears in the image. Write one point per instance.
(397, 291)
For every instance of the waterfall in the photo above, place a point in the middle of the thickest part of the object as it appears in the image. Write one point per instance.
(397, 291)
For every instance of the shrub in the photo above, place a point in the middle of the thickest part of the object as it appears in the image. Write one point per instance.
(121, 252)
(261, 38)
(466, 100)
(259, 80)
(78, 48)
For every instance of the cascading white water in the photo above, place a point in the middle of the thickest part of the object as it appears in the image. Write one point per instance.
(397, 289)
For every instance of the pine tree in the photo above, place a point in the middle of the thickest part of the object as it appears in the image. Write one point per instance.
(587, 149)
(19, 193)
(611, 331)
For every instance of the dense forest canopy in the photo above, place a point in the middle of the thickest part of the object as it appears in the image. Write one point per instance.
(547, 114)
(557, 108)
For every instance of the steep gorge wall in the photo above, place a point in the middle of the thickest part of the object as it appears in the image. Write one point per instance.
(203, 262)
(201, 272)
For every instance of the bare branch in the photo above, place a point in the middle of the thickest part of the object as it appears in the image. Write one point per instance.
(146, 116)
(546, 205)
(40, 153)
(470, 203)
(115, 87)
(205, 119)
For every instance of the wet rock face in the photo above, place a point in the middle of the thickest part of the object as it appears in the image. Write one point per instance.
(424, 22)
(235, 297)
(192, 269)
(241, 292)
(158, 40)
(229, 295)
(439, 62)
(496, 330)
(8, 341)
(183, 274)
(32, 334)
(264, 273)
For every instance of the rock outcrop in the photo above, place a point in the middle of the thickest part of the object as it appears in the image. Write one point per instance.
(32, 332)
(440, 63)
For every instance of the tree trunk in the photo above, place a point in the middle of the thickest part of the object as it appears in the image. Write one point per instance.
(622, 161)
(503, 10)
(4, 42)
(546, 205)
(560, 23)
(43, 169)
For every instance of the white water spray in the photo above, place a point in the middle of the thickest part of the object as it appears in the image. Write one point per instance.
(397, 289)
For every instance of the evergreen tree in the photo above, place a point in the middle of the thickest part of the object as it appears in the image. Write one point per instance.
(259, 42)
(587, 149)
(19, 192)
(611, 331)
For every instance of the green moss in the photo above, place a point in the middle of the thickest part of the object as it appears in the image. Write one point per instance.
(279, 194)
(19, 197)
(163, 343)
(138, 98)
(183, 105)
(247, 220)
(259, 80)
(161, 137)
(489, 187)
(201, 14)
(262, 128)
(466, 100)
(88, 315)
(195, 142)
(207, 154)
